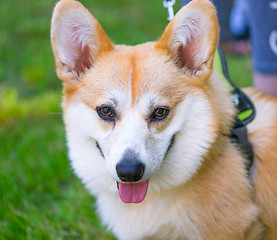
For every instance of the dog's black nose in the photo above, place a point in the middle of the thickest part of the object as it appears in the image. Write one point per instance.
(129, 171)
(130, 168)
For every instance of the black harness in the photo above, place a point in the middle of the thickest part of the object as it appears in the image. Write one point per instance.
(246, 111)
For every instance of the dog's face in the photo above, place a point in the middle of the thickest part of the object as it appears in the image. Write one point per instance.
(132, 111)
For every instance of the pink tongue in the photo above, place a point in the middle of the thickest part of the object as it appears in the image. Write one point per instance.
(132, 192)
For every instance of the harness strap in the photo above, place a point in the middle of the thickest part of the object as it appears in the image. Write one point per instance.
(245, 107)
(240, 138)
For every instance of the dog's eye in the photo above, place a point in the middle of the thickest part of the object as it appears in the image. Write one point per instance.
(106, 113)
(159, 113)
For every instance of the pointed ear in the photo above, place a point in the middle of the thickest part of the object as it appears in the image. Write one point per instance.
(191, 37)
(77, 39)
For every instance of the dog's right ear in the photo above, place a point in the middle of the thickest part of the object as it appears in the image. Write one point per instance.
(77, 39)
(191, 38)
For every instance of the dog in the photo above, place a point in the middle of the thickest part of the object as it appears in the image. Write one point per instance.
(148, 131)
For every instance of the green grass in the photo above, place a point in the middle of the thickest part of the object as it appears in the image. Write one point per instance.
(40, 198)
(240, 70)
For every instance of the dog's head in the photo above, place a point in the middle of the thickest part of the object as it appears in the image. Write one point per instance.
(137, 114)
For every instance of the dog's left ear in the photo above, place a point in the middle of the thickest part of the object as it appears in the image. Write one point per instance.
(191, 38)
(77, 40)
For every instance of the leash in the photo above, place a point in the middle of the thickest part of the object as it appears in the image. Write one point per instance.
(169, 5)
(245, 107)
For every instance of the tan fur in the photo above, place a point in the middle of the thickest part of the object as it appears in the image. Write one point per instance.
(263, 135)
(220, 201)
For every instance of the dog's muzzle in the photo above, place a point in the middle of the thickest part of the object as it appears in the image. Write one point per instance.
(130, 170)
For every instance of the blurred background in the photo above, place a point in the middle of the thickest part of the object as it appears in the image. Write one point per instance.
(40, 198)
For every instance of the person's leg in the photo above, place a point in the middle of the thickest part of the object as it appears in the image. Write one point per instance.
(239, 26)
(267, 83)
(263, 25)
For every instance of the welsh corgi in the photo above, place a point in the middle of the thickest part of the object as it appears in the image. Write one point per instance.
(148, 131)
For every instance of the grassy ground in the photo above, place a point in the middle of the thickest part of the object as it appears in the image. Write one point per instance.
(40, 198)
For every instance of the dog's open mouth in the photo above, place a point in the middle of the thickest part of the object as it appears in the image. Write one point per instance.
(132, 192)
